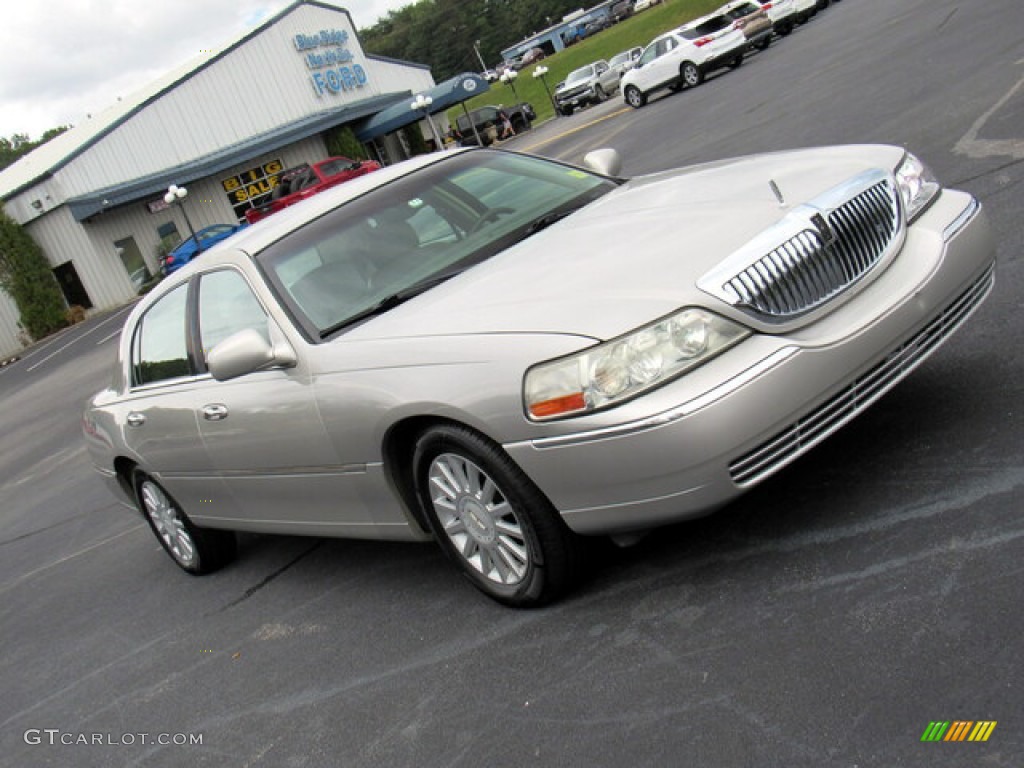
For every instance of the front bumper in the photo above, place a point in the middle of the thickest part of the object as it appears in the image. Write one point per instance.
(708, 436)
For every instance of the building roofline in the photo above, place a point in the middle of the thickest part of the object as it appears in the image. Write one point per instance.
(86, 206)
(185, 76)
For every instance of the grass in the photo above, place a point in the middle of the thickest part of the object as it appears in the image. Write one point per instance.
(638, 30)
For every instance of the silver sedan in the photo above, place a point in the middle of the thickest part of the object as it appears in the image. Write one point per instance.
(506, 354)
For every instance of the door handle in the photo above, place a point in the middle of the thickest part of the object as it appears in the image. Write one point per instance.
(215, 412)
(136, 419)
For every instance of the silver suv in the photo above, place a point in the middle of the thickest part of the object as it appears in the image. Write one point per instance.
(591, 84)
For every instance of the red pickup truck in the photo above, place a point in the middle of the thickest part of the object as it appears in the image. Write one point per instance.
(306, 180)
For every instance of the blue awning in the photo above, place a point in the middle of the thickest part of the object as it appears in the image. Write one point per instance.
(452, 91)
(156, 184)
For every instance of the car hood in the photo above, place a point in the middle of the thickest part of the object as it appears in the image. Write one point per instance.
(633, 255)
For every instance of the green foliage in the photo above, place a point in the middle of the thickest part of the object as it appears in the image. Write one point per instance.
(636, 31)
(14, 148)
(26, 276)
(342, 142)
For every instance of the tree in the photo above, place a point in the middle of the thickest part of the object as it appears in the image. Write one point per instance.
(26, 276)
(19, 145)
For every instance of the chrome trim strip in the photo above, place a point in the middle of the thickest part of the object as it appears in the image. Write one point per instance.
(673, 414)
(962, 220)
(345, 469)
(806, 432)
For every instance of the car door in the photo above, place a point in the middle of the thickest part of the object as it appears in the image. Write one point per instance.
(664, 67)
(263, 431)
(157, 414)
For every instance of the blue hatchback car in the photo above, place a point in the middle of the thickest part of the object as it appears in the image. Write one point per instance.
(193, 246)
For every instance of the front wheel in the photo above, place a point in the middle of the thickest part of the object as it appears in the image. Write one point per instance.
(599, 95)
(195, 550)
(634, 97)
(491, 519)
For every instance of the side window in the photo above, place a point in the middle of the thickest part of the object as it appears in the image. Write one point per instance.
(649, 54)
(160, 350)
(226, 306)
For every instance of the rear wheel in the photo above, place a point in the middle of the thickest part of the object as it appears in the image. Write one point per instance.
(195, 550)
(691, 74)
(491, 520)
(736, 62)
(634, 97)
(764, 43)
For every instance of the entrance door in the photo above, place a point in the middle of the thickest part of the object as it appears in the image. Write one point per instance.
(71, 285)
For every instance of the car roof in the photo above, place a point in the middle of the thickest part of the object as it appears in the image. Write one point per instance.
(258, 236)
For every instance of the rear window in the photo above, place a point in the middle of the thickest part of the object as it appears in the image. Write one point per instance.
(707, 27)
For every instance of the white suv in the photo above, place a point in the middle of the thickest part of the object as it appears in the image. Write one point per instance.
(683, 57)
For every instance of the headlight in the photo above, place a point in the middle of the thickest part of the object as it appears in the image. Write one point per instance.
(617, 370)
(918, 186)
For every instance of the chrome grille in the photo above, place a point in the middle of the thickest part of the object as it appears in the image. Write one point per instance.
(798, 438)
(814, 265)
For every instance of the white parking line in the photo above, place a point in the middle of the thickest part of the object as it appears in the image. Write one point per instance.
(78, 338)
(108, 338)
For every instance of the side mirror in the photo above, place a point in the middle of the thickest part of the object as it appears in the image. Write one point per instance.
(607, 162)
(247, 352)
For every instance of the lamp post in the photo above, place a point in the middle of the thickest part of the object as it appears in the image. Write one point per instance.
(509, 78)
(422, 104)
(476, 49)
(540, 72)
(176, 194)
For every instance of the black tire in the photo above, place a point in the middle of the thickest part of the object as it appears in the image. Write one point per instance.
(195, 550)
(634, 97)
(690, 75)
(735, 62)
(491, 520)
(599, 94)
(763, 44)
(567, 111)
(785, 28)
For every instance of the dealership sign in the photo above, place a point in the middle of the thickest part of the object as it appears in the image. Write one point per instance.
(330, 62)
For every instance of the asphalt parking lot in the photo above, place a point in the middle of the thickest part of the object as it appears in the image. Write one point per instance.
(824, 619)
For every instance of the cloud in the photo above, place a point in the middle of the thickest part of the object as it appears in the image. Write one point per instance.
(65, 59)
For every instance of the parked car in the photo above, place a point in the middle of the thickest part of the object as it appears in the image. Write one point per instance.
(620, 11)
(683, 57)
(486, 121)
(506, 353)
(643, 5)
(306, 180)
(623, 62)
(532, 56)
(805, 9)
(752, 20)
(783, 14)
(490, 75)
(590, 84)
(191, 247)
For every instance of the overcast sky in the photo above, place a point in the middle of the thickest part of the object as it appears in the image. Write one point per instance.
(63, 59)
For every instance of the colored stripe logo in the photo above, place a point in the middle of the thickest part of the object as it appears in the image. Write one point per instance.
(958, 730)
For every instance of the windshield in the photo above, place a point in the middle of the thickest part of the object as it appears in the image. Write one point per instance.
(579, 75)
(431, 223)
(620, 58)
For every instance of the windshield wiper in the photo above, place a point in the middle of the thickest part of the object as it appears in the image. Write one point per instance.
(391, 301)
(546, 221)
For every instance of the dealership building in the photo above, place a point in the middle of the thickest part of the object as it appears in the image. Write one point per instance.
(223, 126)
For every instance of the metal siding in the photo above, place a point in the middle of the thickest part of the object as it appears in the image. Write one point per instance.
(257, 87)
(10, 345)
(99, 268)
